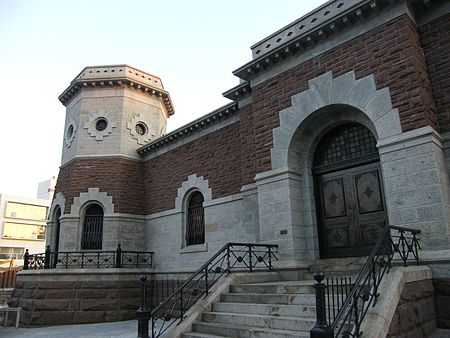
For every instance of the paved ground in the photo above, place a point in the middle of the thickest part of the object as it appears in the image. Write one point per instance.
(126, 329)
(441, 333)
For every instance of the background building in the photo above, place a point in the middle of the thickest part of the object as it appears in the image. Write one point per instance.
(46, 189)
(22, 226)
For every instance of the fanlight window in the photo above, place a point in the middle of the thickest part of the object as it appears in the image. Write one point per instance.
(195, 223)
(344, 145)
(92, 235)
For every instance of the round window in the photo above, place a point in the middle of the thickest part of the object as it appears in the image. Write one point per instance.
(101, 124)
(69, 132)
(141, 128)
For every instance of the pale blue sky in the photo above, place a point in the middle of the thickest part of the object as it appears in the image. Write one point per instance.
(192, 45)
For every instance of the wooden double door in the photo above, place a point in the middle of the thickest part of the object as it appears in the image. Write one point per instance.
(351, 210)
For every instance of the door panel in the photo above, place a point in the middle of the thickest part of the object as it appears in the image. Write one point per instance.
(351, 210)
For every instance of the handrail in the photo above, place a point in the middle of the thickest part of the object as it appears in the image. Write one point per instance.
(364, 290)
(232, 257)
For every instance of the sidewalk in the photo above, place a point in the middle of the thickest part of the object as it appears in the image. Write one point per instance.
(127, 329)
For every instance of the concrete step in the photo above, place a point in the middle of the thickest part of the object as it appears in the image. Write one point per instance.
(332, 265)
(273, 322)
(279, 287)
(269, 298)
(238, 331)
(200, 335)
(266, 309)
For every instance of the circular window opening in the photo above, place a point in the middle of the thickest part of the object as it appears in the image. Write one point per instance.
(101, 124)
(141, 128)
(70, 132)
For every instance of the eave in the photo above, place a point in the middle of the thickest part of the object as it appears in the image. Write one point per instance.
(205, 121)
(79, 84)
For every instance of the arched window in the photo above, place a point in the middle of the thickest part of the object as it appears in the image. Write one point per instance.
(195, 222)
(91, 238)
(57, 229)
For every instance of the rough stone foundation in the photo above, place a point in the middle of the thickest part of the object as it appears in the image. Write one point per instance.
(415, 315)
(50, 297)
(442, 298)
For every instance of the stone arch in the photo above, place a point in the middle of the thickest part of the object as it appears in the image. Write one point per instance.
(58, 203)
(193, 183)
(361, 99)
(93, 195)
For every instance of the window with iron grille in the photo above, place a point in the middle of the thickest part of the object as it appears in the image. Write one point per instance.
(195, 223)
(91, 238)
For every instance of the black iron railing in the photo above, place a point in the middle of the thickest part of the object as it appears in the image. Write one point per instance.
(233, 257)
(347, 302)
(87, 259)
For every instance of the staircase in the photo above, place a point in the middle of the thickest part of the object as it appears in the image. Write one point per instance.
(279, 309)
(274, 309)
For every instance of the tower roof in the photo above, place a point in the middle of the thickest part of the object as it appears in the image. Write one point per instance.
(118, 75)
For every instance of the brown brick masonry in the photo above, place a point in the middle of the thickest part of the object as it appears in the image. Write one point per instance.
(216, 157)
(435, 37)
(144, 188)
(232, 156)
(391, 52)
(120, 177)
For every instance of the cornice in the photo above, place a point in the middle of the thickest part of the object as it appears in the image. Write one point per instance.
(238, 92)
(280, 49)
(205, 121)
(108, 76)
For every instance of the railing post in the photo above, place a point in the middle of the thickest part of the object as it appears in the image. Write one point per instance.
(228, 260)
(47, 257)
(206, 281)
(143, 314)
(118, 256)
(321, 329)
(26, 260)
(250, 258)
(270, 257)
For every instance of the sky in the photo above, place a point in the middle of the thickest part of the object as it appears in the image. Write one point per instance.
(193, 46)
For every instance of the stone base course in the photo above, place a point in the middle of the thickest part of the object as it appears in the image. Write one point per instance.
(49, 303)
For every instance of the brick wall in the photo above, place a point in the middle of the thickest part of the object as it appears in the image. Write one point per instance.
(216, 157)
(248, 156)
(435, 37)
(232, 156)
(120, 178)
(391, 52)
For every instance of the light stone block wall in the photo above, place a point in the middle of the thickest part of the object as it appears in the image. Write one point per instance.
(121, 107)
(417, 185)
(284, 214)
(125, 229)
(229, 219)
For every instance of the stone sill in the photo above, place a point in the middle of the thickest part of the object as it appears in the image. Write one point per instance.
(194, 248)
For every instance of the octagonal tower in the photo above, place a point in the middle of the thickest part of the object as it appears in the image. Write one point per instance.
(113, 110)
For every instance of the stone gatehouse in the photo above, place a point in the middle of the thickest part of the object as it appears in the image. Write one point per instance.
(339, 126)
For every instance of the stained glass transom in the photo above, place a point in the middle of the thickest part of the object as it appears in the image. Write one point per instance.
(344, 143)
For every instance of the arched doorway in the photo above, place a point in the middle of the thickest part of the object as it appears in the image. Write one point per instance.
(349, 195)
